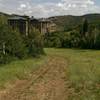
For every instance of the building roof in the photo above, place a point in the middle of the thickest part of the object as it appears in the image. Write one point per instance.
(44, 20)
(34, 19)
(17, 18)
(40, 20)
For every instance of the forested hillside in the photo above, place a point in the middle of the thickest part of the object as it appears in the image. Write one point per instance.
(68, 22)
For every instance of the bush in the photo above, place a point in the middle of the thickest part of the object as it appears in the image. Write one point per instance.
(11, 44)
(15, 45)
(62, 39)
(53, 39)
(4, 58)
(97, 42)
(34, 43)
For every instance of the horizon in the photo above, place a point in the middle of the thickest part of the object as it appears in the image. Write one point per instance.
(50, 16)
(46, 8)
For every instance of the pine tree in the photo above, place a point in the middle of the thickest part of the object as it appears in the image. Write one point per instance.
(85, 27)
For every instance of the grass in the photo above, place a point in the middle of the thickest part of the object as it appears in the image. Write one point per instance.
(18, 70)
(83, 72)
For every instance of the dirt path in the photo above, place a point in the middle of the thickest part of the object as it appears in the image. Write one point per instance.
(48, 83)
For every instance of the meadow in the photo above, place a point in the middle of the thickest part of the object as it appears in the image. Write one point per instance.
(18, 70)
(83, 71)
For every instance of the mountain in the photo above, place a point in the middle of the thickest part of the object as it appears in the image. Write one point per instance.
(68, 22)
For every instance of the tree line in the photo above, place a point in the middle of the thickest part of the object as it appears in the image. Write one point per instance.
(85, 35)
(14, 46)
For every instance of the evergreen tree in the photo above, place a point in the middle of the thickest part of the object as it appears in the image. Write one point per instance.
(85, 27)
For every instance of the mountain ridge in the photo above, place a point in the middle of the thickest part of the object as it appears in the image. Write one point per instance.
(67, 22)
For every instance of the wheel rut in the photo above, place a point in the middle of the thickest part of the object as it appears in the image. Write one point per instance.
(47, 83)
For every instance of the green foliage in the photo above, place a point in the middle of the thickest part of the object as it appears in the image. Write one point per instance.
(62, 39)
(68, 22)
(97, 41)
(3, 19)
(4, 58)
(91, 40)
(13, 44)
(85, 36)
(34, 42)
(72, 39)
(84, 27)
(66, 40)
(53, 39)
(76, 40)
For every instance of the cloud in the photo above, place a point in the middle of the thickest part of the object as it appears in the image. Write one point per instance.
(70, 7)
(76, 4)
(45, 8)
(23, 6)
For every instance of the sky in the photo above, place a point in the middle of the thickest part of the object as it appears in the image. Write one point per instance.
(47, 8)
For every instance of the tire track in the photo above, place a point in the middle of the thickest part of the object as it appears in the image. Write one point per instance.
(47, 83)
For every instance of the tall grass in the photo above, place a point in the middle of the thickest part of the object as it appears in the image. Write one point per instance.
(83, 72)
(18, 70)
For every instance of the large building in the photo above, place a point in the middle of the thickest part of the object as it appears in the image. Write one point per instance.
(19, 24)
(24, 24)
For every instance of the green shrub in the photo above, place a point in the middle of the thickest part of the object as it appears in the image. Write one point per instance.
(11, 44)
(34, 43)
(97, 42)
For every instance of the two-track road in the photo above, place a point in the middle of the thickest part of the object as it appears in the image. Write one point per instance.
(47, 83)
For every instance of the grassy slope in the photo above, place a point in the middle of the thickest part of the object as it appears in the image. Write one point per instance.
(84, 72)
(18, 70)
